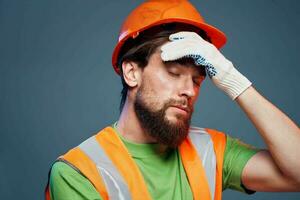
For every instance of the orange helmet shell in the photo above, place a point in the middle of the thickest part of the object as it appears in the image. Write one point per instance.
(155, 12)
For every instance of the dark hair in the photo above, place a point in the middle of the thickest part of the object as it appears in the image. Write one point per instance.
(140, 49)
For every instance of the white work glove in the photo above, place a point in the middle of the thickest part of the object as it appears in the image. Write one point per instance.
(219, 69)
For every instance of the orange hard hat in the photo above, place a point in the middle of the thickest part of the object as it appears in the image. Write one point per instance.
(156, 12)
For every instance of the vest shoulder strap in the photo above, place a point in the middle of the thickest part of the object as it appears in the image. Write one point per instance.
(80, 161)
(118, 154)
(208, 146)
(106, 162)
(219, 140)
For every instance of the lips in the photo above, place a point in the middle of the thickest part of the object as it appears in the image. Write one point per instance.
(186, 109)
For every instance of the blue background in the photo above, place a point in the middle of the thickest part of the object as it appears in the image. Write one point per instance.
(57, 86)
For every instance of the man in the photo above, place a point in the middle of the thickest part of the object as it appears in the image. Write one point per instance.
(164, 52)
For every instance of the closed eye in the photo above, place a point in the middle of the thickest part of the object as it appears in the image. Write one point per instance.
(174, 74)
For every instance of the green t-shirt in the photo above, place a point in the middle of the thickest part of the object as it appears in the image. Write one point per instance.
(161, 170)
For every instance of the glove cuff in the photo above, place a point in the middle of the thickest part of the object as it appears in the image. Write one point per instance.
(234, 83)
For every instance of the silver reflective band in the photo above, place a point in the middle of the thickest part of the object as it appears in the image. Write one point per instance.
(205, 148)
(116, 187)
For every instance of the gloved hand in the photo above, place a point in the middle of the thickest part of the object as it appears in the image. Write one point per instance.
(219, 69)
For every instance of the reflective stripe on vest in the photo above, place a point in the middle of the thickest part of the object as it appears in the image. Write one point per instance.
(205, 149)
(114, 182)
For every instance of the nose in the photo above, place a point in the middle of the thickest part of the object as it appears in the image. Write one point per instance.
(188, 88)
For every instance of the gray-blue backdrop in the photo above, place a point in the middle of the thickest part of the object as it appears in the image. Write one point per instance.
(57, 86)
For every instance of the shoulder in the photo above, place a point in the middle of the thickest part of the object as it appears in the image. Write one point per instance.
(236, 156)
(67, 183)
(61, 171)
(236, 148)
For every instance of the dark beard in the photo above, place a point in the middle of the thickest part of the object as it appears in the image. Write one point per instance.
(158, 127)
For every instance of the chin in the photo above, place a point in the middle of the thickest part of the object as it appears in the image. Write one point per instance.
(175, 119)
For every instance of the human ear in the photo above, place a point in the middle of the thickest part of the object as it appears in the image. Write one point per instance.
(131, 73)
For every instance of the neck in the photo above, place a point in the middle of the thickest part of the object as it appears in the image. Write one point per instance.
(129, 126)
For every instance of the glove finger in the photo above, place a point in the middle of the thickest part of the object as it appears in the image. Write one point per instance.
(176, 49)
(177, 54)
(183, 35)
(173, 52)
(181, 48)
(178, 44)
(172, 55)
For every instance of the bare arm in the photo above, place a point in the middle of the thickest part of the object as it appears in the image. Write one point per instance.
(278, 168)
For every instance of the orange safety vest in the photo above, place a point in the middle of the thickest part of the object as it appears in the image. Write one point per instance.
(104, 160)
